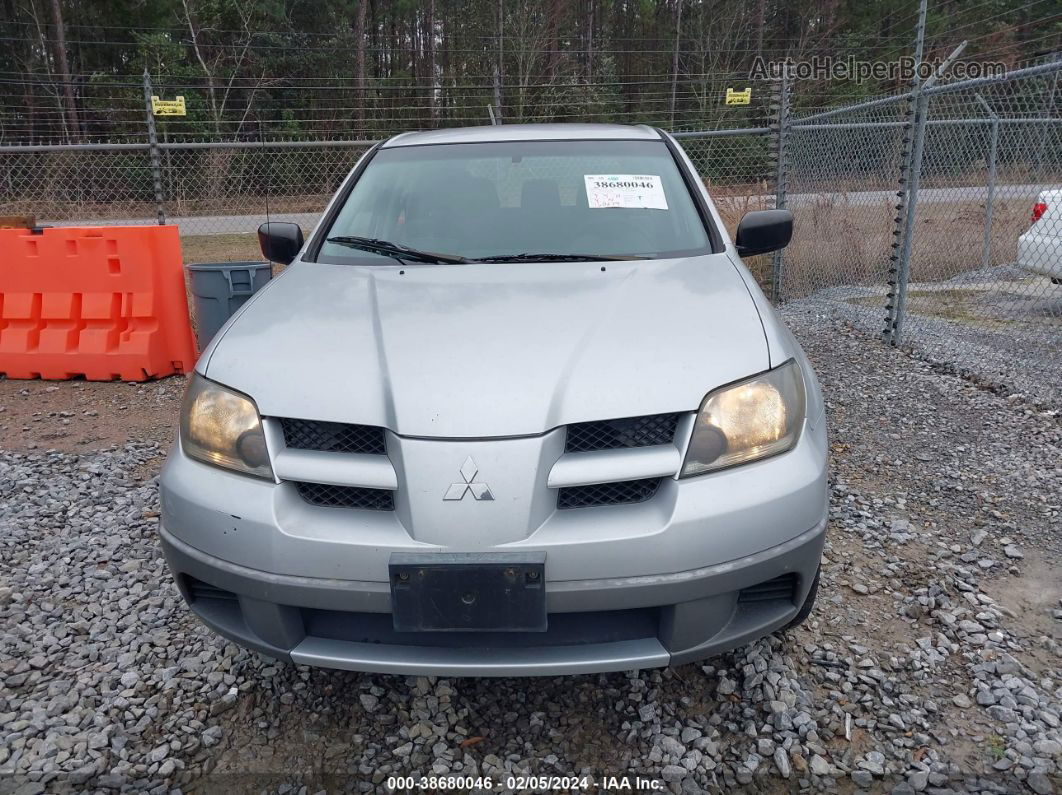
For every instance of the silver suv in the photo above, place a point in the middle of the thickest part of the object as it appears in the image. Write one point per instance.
(515, 408)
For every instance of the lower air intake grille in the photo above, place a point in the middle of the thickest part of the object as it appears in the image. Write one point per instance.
(780, 589)
(622, 493)
(199, 590)
(645, 431)
(346, 496)
(333, 437)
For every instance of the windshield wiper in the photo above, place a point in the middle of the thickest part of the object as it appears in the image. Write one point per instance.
(395, 250)
(526, 257)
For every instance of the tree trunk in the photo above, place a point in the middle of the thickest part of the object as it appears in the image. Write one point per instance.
(413, 39)
(590, 41)
(553, 39)
(374, 40)
(359, 73)
(31, 111)
(429, 46)
(760, 22)
(207, 71)
(626, 61)
(64, 68)
(446, 94)
(499, 79)
(392, 44)
(675, 58)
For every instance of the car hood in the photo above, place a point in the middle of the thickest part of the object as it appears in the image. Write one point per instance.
(485, 350)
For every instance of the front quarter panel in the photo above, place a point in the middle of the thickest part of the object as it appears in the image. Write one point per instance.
(781, 344)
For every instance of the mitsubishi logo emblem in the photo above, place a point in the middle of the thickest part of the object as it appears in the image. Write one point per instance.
(457, 491)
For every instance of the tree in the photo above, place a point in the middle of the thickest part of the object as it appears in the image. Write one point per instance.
(369, 68)
(359, 74)
(64, 68)
(675, 61)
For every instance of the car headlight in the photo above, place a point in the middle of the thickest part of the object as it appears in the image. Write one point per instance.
(752, 419)
(222, 427)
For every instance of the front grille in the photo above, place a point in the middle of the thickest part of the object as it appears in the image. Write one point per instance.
(621, 493)
(346, 496)
(333, 437)
(780, 589)
(645, 431)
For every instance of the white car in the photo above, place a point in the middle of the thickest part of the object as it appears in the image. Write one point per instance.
(1040, 249)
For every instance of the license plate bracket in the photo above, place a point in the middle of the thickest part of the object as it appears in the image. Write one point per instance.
(468, 592)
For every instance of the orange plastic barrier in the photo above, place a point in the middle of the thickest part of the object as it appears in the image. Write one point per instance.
(103, 302)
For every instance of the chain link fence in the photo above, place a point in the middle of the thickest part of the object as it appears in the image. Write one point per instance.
(843, 193)
(90, 183)
(982, 273)
(916, 220)
(913, 213)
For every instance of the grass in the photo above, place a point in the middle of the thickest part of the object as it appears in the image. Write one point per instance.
(952, 304)
(997, 746)
(221, 248)
(840, 241)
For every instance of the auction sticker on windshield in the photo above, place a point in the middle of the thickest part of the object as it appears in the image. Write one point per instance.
(625, 190)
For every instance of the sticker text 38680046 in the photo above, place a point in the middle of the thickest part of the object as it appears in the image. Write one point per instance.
(632, 191)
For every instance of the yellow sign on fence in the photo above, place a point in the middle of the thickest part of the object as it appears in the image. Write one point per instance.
(738, 97)
(167, 107)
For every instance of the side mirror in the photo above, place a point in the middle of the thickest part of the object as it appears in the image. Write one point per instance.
(762, 231)
(280, 241)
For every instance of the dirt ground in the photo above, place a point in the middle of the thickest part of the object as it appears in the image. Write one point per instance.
(81, 416)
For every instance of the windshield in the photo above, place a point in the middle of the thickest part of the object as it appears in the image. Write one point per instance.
(481, 200)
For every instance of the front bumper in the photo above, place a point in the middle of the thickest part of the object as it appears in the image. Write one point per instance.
(595, 626)
(705, 565)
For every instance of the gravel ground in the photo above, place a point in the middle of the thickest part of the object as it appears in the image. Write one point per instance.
(931, 663)
(996, 326)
